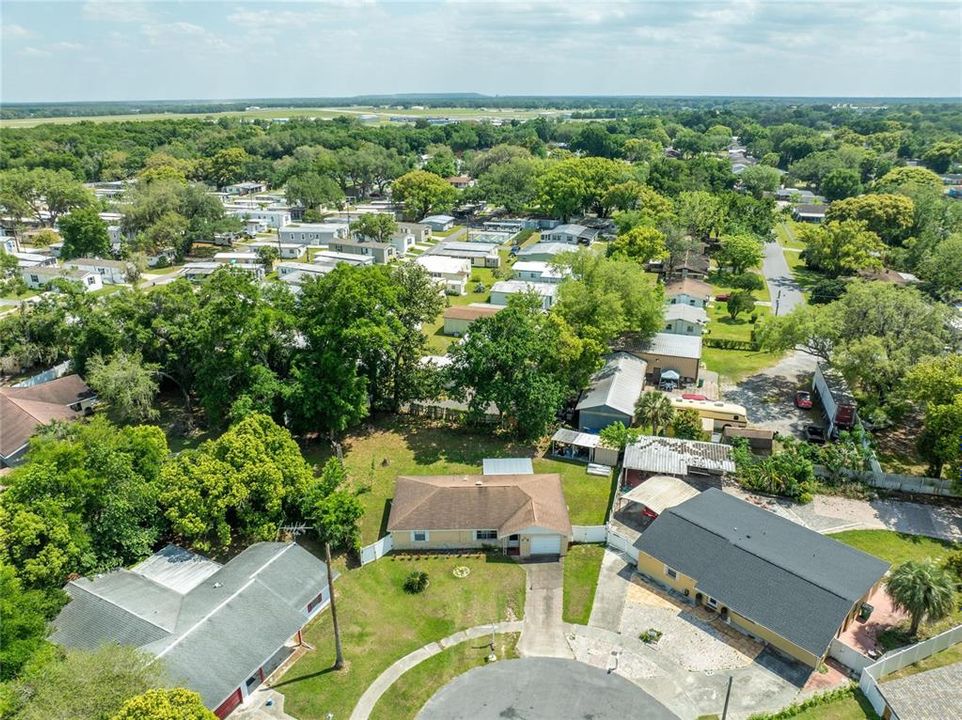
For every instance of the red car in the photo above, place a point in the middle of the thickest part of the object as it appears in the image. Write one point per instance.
(693, 396)
(803, 400)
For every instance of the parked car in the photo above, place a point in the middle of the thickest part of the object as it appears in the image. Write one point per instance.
(693, 396)
(815, 434)
(803, 400)
(723, 297)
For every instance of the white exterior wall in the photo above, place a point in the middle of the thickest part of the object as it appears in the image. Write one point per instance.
(683, 327)
(685, 299)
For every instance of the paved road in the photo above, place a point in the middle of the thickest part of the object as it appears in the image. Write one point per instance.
(786, 293)
(542, 633)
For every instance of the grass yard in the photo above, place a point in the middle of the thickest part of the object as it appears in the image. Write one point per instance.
(949, 656)
(398, 445)
(408, 695)
(737, 364)
(582, 565)
(438, 342)
(785, 233)
(852, 707)
(381, 623)
(897, 548)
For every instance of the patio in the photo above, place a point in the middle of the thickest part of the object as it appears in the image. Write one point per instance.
(863, 635)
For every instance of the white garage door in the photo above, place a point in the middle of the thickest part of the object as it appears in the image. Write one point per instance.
(545, 544)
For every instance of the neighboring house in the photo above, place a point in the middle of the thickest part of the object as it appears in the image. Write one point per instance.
(537, 271)
(796, 195)
(582, 447)
(889, 276)
(458, 318)
(253, 228)
(658, 494)
(245, 188)
(505, 225)
(29, 259)
(23, 410)
(420, 231)
(287, 268)
(480, 254)
(695, 264)
(313, 233)
(112, 272)
(39, 277)
(274, 218)
(504, 289)
(760, 441)
(520, 514)
(543, 251)
(461, 181)
(196, 271)
(931, 695)
(612, 394)
(667, 351)
(685, 319)
(570, 234)
(651, 455)
(237, 258)
(219, 629)
(438, 223)
(451, 273)
(331, 258)
(285, 250)
(688, 292)
(402, 243)
(381, 253)
(810, 213)
(771, 578)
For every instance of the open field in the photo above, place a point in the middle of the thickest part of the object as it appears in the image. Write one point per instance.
(582, 565)
(397, 445)
(321, 113)
(381, 623)
(408, 695)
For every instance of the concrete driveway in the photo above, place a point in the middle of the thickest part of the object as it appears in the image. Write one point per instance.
(768, 396)
(786, 293)
(542, 633)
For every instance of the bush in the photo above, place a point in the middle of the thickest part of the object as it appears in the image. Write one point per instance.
(416, 582)
(953, 563)
(746, 281)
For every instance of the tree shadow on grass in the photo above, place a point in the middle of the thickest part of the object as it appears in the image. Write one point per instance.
(300, 678)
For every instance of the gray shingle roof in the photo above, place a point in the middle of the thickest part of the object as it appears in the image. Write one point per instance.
(216, 633)
(931, 695)
(781, 575)
(617, 385)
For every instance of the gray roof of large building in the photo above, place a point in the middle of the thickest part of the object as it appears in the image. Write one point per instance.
(617, 385)
(792, 580)
(675, 456)
(930, 695)
(684, 346)
(214, 634)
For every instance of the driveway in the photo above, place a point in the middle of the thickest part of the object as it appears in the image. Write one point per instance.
(786, 293)
(768, 396)
(542, 632)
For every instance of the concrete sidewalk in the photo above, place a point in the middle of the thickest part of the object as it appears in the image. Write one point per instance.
(613, 582)
(542, 633)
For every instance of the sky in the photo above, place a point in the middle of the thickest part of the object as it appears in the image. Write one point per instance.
(181, 49)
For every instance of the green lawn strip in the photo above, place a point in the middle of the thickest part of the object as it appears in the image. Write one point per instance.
(852, 707)
(582, 565)
(737, 364)
(399, 445)
(446, 233)
(785, 232)
(408, 695)
(380, 623)
(949, 656)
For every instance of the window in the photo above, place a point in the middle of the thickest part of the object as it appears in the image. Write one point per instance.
(34, 278)
(671, 572)
(691, 329)
(485, 534)
(668, 326)
(712, 602)
(419, 536)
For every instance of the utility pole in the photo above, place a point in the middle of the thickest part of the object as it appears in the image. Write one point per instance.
(728, 694)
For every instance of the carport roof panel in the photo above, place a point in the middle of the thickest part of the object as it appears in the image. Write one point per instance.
(578, 439)
(660, 493)
(507, 466)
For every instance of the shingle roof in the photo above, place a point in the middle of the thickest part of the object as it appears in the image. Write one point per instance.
(506, 503)
(674, 456)
(617, 385)
(23, 410)
(781, 575)
(214, 635)
(688, 286)
(470, 312)
(930, 695)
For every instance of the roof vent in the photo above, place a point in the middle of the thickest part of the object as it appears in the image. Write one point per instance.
(217, 585)
(478, 483)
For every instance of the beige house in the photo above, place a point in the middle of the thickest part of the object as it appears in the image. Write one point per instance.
(522, 515)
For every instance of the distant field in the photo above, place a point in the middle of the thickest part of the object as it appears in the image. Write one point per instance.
(325, 113)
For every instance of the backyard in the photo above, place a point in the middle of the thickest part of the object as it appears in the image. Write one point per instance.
(397, 445)
(582, 565)
(381, 623)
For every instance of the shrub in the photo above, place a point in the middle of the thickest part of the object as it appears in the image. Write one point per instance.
(416, 582)
(953, 563)
(746, 281)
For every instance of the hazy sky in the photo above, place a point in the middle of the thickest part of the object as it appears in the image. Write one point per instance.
(112, 50)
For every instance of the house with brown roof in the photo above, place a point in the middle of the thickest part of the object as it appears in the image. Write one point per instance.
(24, 410)
(522, 515)
(689, 291)
(458, 318)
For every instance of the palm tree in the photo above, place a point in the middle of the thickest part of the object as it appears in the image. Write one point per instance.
(655, 409)
(924, 590)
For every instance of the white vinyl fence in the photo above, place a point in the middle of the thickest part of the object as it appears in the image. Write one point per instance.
(374, 551)
(589, 533)
(621, 544)
(848, 656)
(891, 662)
(53, 373)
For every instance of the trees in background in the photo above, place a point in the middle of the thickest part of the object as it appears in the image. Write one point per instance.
(890, 217)
(739, 301)
(423, 193)
(740, 252)
(84, 235)
(841, 183)
(935, 385)
(641, 244)
(841, 248)
(378, 227)
(25, 613)
(759, 179)
(126, 385)
(655, 410)
(42, 194)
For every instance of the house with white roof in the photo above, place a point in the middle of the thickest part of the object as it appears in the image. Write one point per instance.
(504, 289)
(313, 233)
(438, 223)
(685, 319)
(570, 234)
(450, 272)
(537, 271)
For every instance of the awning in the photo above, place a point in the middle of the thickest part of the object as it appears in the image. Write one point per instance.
(660, 493)
(670, 375)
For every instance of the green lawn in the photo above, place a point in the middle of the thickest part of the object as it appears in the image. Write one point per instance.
(949, 656)
(399, 445)
(438, 342)
(852, 707)
(785, 233)
(897, 548)
(445, 233)
(737, 364)
(408, 695)
(381, 623)
(582, 565)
